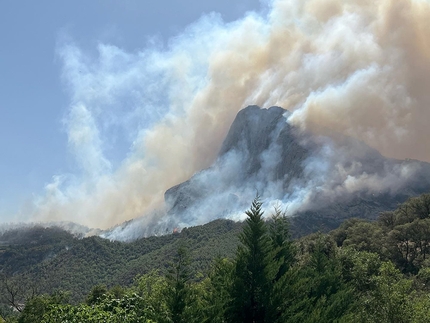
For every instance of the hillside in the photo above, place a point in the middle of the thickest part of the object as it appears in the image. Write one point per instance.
(361, 272)
(55, 260)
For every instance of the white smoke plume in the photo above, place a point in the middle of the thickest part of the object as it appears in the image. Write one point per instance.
(360, 68)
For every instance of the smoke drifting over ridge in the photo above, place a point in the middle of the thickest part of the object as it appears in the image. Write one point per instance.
(357, 67)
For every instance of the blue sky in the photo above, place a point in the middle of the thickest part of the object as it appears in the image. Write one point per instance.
(33, 97)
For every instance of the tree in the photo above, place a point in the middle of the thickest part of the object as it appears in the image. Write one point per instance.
(98, 293)
(390, 300)
(387, 220)
(36, 307)
(178, 279)
(279, 231)
(219, 285)
(16, 292)
(421, 206)
(253, 272)
(284, 257)
(152, 287)
(313, 290)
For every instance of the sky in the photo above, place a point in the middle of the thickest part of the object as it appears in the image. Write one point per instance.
(105, 105)
(33, 96)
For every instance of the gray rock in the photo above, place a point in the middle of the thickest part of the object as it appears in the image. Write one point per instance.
(323, 179)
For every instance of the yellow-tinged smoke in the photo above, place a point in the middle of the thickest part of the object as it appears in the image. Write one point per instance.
(357, 67)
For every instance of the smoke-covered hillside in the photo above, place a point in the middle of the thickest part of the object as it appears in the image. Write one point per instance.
(320, 180)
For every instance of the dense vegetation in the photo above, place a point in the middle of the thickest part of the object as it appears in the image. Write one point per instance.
(361, 272)
(75, 265)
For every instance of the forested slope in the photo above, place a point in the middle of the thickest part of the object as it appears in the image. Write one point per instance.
(252, 272)
(52, 259)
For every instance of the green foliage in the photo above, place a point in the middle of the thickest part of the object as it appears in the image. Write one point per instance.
(254, 270)
(389, 300)
(55, 260)
(421, 309)
(97, 295)
(361, 272)
(359, 268)
(315, 291)
(38, 306)
(218, 286)
(178, 290)
(153, 287)
(401, 236)
(283, 248)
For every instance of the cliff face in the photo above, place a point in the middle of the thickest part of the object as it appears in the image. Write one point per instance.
(259, 147)
(256, 131)
(320, 180)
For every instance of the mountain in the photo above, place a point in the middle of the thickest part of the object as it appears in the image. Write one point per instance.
(320, 180)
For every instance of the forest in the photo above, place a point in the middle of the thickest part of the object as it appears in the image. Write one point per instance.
(363, 271)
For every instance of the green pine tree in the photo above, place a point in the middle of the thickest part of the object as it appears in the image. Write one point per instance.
(284, 257)
(279, 231)
(178, 290)
(254, 271)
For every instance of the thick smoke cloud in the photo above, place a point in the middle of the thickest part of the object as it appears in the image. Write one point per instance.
(319, 172)
(361, 68)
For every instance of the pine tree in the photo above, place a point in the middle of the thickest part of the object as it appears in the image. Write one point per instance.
(219, 286)
(315, 291)
(178, 279)
(279, 231)
(284, 256)
(254, 271)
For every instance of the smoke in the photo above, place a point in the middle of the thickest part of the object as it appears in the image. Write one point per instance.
(141, 122)
(293, 170)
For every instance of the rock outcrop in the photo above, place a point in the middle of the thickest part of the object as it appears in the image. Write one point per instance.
(321, 180)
